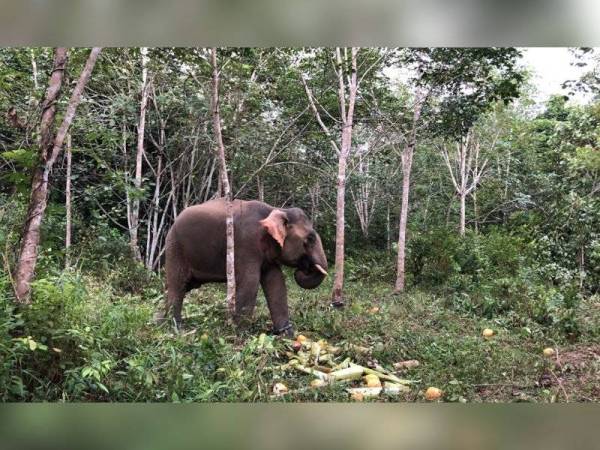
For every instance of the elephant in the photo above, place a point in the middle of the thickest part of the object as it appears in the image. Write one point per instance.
(265, 238)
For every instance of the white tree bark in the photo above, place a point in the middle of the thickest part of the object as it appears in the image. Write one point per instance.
(34, 70)
(345, 147)
(68, 205)
(230, 258)
(315, 193)
(407, 160)
(465, 175)
(137, 182)
(345, 83)
(364, 201)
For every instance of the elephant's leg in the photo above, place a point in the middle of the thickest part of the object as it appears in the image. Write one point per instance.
(173, 300)
(247, 280)
(273, 284)
(178, 276)
(176, 301)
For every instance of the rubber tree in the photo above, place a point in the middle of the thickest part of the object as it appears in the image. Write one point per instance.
(50, 146)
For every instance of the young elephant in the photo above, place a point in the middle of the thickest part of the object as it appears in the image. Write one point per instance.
(264, 238)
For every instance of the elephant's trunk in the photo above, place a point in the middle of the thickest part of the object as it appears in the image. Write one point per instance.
(312, 268)
(310, 279)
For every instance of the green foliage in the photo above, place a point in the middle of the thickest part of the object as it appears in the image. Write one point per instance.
(82, 341)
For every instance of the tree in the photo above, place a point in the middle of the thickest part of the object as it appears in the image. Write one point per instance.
(220, 147)
(49, 148)
(134, 216)
(346, 88)
(68, 206)
(465, 170)
(407, 160)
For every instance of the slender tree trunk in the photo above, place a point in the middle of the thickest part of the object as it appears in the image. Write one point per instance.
(388, 231)
(407, 160)
(346, 143)
(49, 149)
(338, 281)
(314, 192)
(463, 185)
(475, 212)
(135, 209)
(406, 169)
(34, 70)
(261, 189)
(209, 180)
(467, 176)
(230, 259)
(128, 202)
(461, 228)
(581, 267)
(68, 205)
(155, 216)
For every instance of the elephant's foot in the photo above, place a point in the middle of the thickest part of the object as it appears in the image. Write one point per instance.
(160, 318)
(286, 330)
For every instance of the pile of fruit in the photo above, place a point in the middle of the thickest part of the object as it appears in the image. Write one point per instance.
(326, 363)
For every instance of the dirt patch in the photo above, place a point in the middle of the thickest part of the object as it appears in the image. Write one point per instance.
(574, 374)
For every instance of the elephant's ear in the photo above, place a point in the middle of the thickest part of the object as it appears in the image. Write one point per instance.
(275, 224)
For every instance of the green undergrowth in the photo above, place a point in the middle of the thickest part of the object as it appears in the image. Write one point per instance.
(85, 339)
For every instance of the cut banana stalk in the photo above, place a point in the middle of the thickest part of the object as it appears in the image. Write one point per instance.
(365, 392)
(387, 377)
(311, 371)
(353, 372)
(394, 388)
(343, 365)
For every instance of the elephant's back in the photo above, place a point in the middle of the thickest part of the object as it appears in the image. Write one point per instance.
(213, 213)
(199, 235)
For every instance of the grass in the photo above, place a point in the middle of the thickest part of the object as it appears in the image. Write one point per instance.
(108, 349)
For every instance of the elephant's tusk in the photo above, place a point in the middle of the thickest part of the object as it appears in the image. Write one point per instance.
(320, 269)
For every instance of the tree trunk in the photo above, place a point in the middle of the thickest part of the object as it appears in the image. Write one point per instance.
(154, 234)
(34, 71)
(314, 192)
(68, 205)
(475, 212)
(388, 237)
(49, 150)
(338, 281)
(467, 176)
(135, 209)
(407, 160)
(261, 189)
(406, 169)
(230, 259)
(346, 143)
(461, 228)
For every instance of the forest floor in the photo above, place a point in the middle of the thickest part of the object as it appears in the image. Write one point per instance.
(104, 346)
(452, 353)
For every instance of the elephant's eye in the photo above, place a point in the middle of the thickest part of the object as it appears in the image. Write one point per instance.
(311, 238)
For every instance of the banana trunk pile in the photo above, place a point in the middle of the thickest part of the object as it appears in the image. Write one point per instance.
(324, 362)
